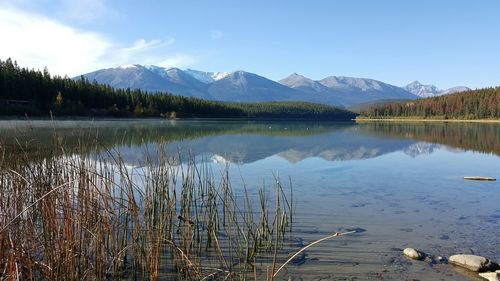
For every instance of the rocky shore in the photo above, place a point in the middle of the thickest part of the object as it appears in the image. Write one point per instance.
(486, 269)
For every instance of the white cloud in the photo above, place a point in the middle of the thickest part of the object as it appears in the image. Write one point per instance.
(216, 34)
(74, 10)
(36, 41)
(178, 60)
(142, 44)
(142, 52)
(85, 10)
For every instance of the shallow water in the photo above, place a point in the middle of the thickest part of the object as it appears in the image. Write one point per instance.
(401, 183)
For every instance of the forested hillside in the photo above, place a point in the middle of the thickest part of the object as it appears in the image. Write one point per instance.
(35, 93)
(474, 104)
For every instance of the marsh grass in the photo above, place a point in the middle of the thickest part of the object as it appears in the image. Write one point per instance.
(89, 215)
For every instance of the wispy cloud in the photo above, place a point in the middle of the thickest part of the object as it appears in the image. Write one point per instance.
(141, 51)
(73, 10)
(86, 10)
(142, 45)
(37, 41)
(216, 34)
(178, 60)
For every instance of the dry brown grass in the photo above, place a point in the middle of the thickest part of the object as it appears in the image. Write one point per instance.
(95, 218)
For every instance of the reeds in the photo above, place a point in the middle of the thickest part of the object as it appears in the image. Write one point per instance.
(91, 216)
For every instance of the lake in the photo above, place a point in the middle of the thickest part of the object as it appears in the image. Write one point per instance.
(400, 184)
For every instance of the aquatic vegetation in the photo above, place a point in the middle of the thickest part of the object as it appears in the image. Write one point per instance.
(92, 216)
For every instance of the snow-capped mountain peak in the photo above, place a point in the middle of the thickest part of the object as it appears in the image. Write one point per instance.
(220, 75)
(426, 91)
(455, 90)
(162, 71)
(422, 90)
(207, 77)
(125, 66)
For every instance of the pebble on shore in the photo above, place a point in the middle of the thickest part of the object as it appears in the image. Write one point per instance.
(470, 262)
(478, 178)
(413, 254)
(473, 262)
(490, 276)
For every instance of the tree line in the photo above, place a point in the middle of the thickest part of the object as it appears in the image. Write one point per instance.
(481, 137)
(473, 104)
(32, 92)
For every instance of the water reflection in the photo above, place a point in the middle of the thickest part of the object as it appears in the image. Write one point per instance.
(480, 137)
(246, 142)
(401, 182)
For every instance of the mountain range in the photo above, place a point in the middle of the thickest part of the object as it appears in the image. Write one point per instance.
(426, 91)
(345, 91)
(242, 86)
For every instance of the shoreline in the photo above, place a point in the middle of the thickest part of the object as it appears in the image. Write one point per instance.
(128, 118)
(359, 120)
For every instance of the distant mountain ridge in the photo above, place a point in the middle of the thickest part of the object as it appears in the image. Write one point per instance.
(242, 86)
(426, 91)
(237, 86)
(346, 91)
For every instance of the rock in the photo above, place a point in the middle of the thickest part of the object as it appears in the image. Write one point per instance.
(429, 260)
(444, 237)
(478, 178)
(473, 262)
(357, 229)
(441, 259)
(490, 276)
(413, 254)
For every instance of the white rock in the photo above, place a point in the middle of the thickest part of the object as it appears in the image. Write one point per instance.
(472, 262)
(413, 253)
(490, 276)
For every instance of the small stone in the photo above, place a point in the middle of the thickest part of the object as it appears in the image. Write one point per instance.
(413, 253)
(429, 260)
(473, 262)
(444, 237)
(490, 276)
(441, 259)
(479, 178)
(356, 229)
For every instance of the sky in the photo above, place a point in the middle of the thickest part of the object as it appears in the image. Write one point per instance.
(442, 42)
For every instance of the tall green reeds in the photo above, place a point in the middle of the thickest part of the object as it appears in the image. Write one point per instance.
(92, 216)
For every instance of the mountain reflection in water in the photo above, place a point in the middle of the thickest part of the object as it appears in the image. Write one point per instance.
(247, 142)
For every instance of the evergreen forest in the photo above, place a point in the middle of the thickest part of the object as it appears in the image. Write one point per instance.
(29, 92)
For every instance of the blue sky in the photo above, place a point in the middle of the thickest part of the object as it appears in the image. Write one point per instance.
(446, 43)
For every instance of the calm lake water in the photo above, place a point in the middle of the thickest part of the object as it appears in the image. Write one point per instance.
(401, 183)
